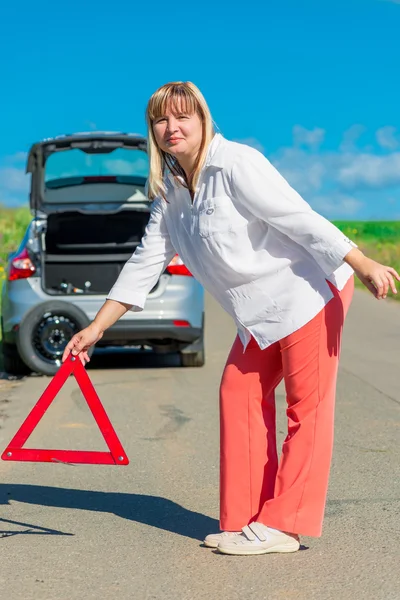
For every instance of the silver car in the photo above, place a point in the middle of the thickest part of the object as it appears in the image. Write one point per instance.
(89, 213)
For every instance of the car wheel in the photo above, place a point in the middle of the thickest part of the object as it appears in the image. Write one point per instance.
(194, 359)
(194, 355)
(45, 331)
(12, 363)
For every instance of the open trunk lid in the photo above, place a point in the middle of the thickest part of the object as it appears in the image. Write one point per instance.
(88, 172)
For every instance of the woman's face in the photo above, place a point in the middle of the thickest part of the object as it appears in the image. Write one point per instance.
(178, 132)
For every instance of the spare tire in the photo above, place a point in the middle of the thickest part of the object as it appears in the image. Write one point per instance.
(44, 332)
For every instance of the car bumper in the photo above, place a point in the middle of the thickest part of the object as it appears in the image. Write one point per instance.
(144, 330)
(182, 299)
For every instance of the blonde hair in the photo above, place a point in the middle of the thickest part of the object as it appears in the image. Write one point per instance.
(176, 93)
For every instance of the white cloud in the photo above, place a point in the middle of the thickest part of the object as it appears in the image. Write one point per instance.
(14, 182)
(14, 179)
(125, 167)
(386, 136)
(310, 138)
(336, 205)
(347, 182)
(304, 171)
(350, 137)
(70, 173)
(365, 171)
(310, 172)
(18, 157)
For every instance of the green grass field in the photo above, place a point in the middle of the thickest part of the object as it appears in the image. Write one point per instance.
(379, 240)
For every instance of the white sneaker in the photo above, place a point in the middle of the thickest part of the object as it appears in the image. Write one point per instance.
(212, 540)
(257, 538)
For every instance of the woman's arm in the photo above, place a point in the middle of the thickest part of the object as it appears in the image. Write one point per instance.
(267, 195)
(141, 272)
(109, 313)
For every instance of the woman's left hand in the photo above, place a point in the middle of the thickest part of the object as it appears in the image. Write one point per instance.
(376, 277)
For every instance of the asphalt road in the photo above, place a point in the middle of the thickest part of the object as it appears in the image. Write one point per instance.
(134, 532)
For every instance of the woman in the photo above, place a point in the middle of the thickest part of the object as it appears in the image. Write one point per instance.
(285, 274)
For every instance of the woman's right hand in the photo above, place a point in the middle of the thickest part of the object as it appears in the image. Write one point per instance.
(81, 342)
(376, 277)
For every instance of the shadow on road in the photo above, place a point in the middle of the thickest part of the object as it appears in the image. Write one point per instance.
(113, 358)
(125, 358)
(150, 510)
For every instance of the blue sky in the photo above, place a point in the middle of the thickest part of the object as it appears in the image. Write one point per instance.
(314, 84)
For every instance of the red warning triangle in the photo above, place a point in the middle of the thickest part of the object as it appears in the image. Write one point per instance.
(116, 456)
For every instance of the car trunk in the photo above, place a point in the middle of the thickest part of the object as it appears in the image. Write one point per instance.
(88, 251)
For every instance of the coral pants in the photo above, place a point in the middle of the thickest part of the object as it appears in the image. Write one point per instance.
(289, 495)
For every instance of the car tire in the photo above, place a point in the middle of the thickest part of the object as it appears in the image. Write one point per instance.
(45, 331)
(194, 359)
(194, 355)
(12, 362)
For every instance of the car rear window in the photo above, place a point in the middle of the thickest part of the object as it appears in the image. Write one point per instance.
(69, 167)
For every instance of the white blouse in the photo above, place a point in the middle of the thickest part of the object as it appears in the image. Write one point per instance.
(249, 238)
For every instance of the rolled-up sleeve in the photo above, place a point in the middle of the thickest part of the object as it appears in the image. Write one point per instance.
(268, 196)
(141, 272)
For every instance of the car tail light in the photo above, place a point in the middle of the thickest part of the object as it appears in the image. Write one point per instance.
(21, 266)
(177, 267)
(181, 323)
